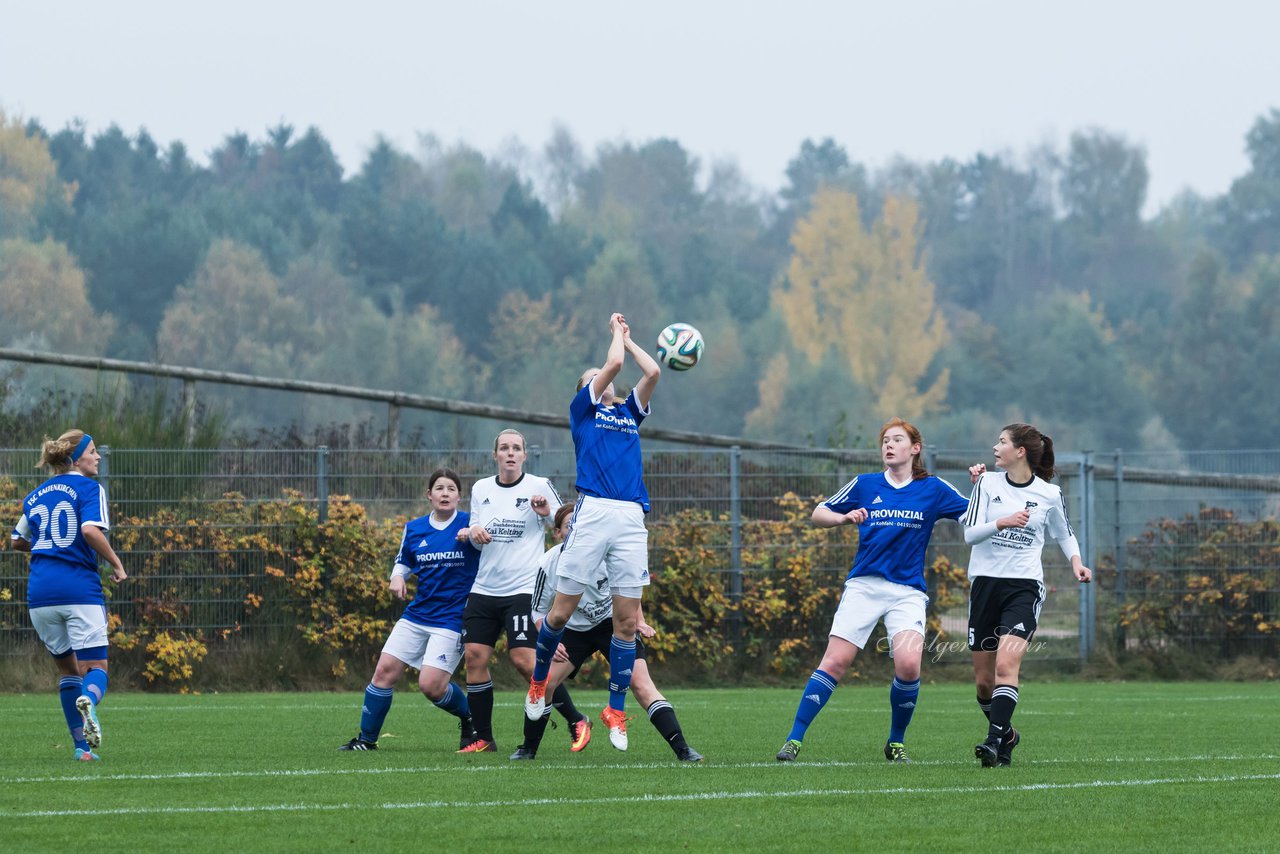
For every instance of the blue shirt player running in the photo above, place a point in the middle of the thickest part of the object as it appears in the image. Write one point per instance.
(437, 551)
(608, 522)
(895, 510)
(64, 526)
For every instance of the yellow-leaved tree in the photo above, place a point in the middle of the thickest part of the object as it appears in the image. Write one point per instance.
(864, 294)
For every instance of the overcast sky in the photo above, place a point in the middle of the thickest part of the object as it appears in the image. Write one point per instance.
(747, 81)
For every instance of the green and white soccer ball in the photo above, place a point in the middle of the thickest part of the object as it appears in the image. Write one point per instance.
(679, 347)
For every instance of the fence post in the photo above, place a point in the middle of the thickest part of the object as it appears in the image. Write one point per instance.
(104, 467)
(189, 410)
(322, 483)
(735, 544)
(393, 426)
(1118, 553)
(1085, 539)
(931, 459)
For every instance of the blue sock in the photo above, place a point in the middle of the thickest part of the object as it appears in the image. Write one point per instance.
(95, 685)
(454, 702)
(377, 702)
(816, 693)
(548, 642)
(902, 702)
(622, 660)
(68, 692)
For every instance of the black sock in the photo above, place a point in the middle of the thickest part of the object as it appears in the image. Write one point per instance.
(984, 703)
(480, 698)
(663, 718)
(1004, 699)
(563, 703)
(533, 731)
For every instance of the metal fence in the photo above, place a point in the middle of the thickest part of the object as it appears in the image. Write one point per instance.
(1123, 506)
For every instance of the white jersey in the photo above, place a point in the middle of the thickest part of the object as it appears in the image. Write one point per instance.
(509, 563)
(595, 606)
(1015, 552)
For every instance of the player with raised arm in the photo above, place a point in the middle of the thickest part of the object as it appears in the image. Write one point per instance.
(1010, 516)
(510, 513)
(895, 511)
(436, 550)
(64, 526)
(608, 522)
(590, 630)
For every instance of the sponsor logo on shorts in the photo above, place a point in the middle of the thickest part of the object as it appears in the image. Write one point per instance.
(1019, 628)
(442, 657)
(522, 636)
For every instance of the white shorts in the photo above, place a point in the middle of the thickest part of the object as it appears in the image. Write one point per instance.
(422, 646)
(867, 598)
(66, 627)
(609, 532)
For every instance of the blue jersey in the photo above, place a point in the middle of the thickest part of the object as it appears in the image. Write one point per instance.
(893, 539)
(606, 440)
(445, 569)
(64, 567)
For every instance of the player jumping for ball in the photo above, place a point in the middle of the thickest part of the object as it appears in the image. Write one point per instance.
(608, 522)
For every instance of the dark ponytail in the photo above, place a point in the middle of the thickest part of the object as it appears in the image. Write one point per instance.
(1038, 446)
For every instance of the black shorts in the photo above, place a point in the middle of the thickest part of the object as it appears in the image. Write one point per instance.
(1003, 606)
(487, 617)
(580, 645)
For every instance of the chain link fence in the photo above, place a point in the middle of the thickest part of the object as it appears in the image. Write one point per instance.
(1157, 528)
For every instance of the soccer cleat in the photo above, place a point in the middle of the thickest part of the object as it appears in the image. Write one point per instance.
(896, 751)
(480, 745)
(359, 743)
(616, 721)
(92, 729)
(789, 751)
(688, 754)
(523, 752)
(83, 755)
(1004, 756)
(468, 734)
(535, 702)
(580, 734)
(988, 752)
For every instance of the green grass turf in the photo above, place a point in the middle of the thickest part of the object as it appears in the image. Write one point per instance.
(1102, 766)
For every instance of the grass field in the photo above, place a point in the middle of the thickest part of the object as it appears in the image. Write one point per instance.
(1102, 767)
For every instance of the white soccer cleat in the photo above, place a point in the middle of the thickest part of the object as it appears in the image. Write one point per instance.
(616, 721)
(535, 702)
(92, 729)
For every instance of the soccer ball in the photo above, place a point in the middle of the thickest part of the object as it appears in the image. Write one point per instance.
(679, 347)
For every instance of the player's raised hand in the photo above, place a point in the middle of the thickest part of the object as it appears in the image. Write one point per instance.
(976, 472)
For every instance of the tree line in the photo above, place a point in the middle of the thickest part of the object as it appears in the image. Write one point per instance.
(961, 295)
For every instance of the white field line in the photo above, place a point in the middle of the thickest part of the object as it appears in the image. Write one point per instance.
(645, 799)
(286, 773)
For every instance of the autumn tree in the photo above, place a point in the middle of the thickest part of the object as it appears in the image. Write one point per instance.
(864, 295)
(28, 178)
(43, 301)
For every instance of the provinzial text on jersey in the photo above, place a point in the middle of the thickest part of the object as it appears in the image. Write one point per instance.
(913, 515)
(431, 557)
(616, 422)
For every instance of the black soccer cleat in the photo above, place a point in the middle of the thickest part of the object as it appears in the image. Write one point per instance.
(688, 754)
(896, 751)
(790, 750)
(523, 752)
(988, 753)
(359, 743)
(469, 735)
(1004, 756)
